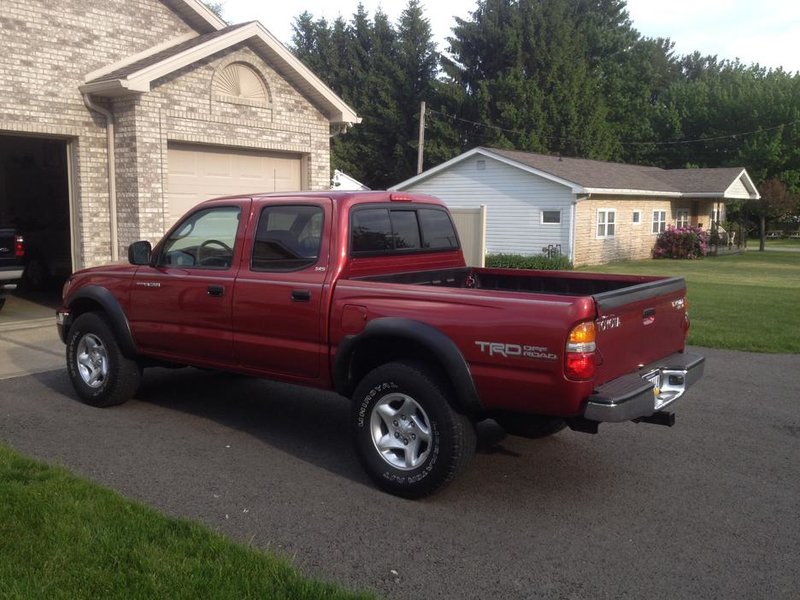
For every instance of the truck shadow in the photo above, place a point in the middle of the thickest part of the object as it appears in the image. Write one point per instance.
(311, 425)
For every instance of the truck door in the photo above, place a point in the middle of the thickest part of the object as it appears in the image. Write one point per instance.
(278, 317)
(181, 304)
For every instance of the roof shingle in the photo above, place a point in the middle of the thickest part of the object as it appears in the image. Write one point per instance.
(608, 175)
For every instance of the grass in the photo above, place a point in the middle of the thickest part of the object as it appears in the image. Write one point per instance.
(63, 537)
(746, 302)
(772, 243)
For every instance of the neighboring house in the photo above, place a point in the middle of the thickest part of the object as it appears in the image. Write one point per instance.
(342, 181)
(116, 116)
(595, 211)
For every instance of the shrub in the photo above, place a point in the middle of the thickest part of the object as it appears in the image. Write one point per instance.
(682, 242)
(540, 262)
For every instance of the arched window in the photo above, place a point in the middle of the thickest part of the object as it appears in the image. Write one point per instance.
(240, 84)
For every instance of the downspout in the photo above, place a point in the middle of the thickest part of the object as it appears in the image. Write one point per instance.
(572, 213)
(112, 172)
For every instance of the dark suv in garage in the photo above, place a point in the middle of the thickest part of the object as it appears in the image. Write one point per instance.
(12, 256)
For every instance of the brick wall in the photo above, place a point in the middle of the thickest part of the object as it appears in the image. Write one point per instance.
(47, 55)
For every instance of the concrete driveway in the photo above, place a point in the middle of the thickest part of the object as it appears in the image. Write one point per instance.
(29, 342)
(706, 509)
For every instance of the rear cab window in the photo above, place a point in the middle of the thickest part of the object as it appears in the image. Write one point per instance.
(382, 230)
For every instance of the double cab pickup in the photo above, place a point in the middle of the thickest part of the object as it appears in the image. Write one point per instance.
(368, 294)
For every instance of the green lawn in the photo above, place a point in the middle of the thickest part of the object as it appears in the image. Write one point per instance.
(781, 243)
(747, 301)
(63, 537)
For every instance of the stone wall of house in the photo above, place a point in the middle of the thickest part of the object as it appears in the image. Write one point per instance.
(630, 241)
(48, 50)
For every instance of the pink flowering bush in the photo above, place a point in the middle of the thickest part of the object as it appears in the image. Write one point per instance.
(682, 242)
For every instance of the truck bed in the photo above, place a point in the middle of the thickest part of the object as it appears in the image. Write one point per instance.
(564, 283)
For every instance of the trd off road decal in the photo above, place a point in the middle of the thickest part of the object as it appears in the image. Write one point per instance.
(516, 351)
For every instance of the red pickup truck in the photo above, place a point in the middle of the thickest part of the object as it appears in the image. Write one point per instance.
(368, 294)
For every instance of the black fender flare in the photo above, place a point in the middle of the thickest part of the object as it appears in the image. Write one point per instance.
(117, 318)
(441, 347)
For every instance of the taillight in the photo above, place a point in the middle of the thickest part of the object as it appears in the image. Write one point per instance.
(19, 247)
(579, 360)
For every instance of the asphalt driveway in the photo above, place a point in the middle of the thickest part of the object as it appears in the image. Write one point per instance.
(707, 509)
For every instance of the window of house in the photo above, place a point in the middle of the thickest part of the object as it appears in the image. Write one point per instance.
(551, 217)
(288, 238)
(606, 222)
(682, 218)
(636, 218)
(659, 221)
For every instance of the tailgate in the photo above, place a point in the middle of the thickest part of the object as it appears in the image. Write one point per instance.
(638, 325)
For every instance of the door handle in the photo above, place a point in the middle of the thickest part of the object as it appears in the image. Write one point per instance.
(301, 296)
(216, 290)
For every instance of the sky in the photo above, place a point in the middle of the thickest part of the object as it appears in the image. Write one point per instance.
(766, 32)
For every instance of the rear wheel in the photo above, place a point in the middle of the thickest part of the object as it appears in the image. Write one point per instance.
(101, 375)
(409, 439)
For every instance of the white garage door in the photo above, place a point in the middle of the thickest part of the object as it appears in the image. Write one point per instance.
(197, 173)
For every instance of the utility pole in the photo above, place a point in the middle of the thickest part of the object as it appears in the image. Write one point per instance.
(421, 147)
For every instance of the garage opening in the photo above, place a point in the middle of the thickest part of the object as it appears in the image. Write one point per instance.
(197, 173)
(34, 200)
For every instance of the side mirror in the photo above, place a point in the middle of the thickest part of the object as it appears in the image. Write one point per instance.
(139, 253)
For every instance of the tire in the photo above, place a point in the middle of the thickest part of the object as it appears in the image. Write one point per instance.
(531, 426)
(36, 276)
(101, 375)
(409, 439)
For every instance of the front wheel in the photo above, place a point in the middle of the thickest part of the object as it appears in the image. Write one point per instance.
(101, 375)
(409, 439)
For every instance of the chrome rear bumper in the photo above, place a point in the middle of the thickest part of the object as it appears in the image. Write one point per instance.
(652, 389)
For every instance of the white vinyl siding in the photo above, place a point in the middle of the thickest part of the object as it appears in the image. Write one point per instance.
(514, 202)
(738, 190)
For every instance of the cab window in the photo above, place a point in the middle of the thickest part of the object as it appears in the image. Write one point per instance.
(204, 240)
(381, 230)
(288, 238)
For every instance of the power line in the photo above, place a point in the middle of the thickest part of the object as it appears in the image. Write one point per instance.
(662, 143)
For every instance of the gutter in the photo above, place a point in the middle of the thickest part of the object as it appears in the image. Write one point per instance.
(112, 172)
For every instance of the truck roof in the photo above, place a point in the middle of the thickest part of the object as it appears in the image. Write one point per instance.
(341, 197)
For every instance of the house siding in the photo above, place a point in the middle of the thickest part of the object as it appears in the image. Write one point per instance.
(47, 52)
(514, 199)
(630, 242)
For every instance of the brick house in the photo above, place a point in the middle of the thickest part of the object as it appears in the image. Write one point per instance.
(118, 115)
(593, 211)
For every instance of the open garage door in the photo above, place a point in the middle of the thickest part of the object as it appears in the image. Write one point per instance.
(34, 200)
(197, 173)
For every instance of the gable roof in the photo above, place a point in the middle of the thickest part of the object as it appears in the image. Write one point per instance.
(586, 176)
(137, 75)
